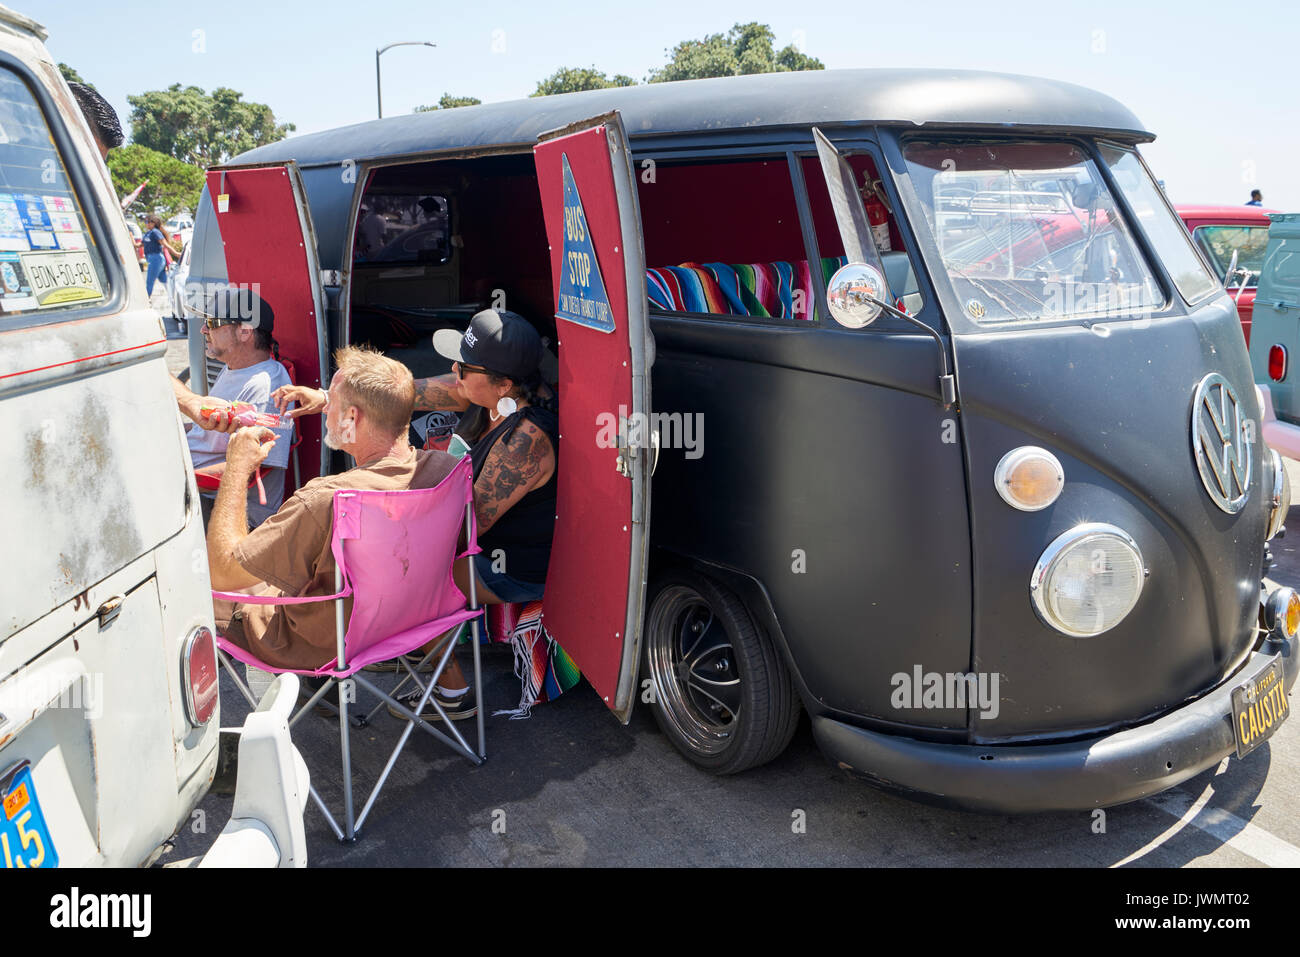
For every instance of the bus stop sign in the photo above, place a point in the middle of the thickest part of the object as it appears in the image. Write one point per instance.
(582, 290)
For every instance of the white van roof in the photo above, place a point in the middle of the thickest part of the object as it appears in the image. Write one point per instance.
(14, 18)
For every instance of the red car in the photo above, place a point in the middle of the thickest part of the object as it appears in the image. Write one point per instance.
(1221, 232)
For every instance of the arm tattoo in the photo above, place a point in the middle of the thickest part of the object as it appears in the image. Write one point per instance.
(513, 468)
(438, 393)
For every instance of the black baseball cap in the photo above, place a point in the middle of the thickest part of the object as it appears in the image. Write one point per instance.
(240, 304)
(504, 342)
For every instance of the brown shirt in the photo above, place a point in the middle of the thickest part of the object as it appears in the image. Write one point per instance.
(290, 551)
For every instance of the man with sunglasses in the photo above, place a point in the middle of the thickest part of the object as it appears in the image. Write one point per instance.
(237, 326)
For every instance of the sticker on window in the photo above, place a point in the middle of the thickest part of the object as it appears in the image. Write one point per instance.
(59, 278)
(15, 291)
(13, 237)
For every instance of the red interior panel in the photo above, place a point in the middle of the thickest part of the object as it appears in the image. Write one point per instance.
(587, 582)
(740, 212)
(264, 244)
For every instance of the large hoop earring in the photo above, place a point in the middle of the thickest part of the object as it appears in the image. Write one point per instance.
(507, 406)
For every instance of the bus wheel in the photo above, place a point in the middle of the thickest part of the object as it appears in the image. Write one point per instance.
(718, 688)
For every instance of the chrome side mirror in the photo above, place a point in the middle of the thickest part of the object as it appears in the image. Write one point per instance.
(855, 294)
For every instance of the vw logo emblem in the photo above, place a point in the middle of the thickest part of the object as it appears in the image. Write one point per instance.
(1220, 444)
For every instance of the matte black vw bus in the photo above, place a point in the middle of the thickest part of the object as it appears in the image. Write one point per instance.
(950, 430)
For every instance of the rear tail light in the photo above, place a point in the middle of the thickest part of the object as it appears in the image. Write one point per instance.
(199, 676)
(1277, 363)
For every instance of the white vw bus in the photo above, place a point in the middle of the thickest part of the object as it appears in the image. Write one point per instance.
(108, 672)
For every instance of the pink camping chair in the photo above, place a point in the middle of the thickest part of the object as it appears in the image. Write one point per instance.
(393, 553)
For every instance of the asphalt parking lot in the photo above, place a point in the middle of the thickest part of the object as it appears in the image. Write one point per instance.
(570, 786)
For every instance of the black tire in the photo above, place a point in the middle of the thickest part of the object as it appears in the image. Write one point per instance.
(726, 701)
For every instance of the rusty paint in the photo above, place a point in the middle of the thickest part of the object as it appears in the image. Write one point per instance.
(76, 645)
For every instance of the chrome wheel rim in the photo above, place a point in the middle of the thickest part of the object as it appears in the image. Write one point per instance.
(693, 667)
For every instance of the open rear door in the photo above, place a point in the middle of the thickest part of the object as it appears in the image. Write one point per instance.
(595, 587)
(269, 242)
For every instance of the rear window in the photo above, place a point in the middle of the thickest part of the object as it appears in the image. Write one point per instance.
(48, 256)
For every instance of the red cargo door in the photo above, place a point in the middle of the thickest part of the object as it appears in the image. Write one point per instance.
(269, 243)
(595, 586)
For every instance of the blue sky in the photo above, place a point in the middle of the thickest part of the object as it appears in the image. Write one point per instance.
(1215, 82)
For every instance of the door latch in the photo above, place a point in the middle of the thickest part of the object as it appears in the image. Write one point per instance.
(626, 450)
(109, 610)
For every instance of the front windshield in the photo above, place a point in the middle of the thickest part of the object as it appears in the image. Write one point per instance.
(1163, 228)
(1029, 231)
(1220, 242)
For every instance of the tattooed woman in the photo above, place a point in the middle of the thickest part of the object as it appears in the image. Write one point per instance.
(508, 418)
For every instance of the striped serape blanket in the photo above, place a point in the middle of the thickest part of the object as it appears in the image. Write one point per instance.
(544, 670)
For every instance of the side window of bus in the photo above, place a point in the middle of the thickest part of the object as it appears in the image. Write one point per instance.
(899, 270)
(723, 238)
(49, 259)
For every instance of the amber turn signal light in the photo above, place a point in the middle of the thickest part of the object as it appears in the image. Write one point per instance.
(1029, 478)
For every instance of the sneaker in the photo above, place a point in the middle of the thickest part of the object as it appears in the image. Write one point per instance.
(411, 658)
(458, 709)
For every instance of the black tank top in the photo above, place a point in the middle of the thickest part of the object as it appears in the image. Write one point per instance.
(525, 531)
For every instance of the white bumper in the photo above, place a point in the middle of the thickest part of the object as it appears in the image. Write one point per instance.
(1282, 436)
(265, 828)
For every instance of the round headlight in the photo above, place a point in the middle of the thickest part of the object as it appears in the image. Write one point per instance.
(1281, 503)
(1029, 478)
(1088, 580)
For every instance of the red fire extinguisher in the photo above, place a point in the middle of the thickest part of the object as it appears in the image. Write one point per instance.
(878, 216)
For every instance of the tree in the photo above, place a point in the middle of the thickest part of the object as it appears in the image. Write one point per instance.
(449, 102)
(173, 185)
(194, 127)
(576, 79)
(746, 48)
(72, 76)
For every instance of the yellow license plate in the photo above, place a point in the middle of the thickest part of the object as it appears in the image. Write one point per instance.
(1259, 705)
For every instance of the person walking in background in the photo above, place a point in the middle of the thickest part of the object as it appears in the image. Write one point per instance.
(153, 243)
(1256, 198)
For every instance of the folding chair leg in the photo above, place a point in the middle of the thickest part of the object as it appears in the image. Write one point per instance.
(239, 682)
(329, 818)
(345, 741)
(392, 759)
(478, 685)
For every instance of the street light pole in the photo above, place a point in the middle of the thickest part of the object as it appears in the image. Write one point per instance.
(379, 93)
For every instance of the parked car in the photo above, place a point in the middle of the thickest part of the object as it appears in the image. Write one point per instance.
(867, 534)
(180, 228)
(1233, 240)
(137, 237)
(1276, 341)
(177, 280)
(109, 694)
